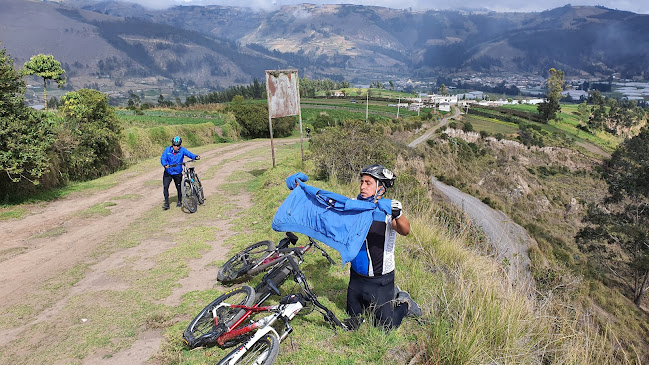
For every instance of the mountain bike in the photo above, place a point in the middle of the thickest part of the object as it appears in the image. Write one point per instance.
(220, 323)
(262, 255)
(191, 188)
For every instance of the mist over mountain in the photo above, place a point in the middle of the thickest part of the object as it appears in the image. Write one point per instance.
(219, 46)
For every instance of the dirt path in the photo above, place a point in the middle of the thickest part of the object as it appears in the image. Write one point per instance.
(57, 237)
(509, 241)
(443, 122)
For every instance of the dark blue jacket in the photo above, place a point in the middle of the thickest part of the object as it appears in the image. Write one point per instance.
(331, 218)
(169, 158)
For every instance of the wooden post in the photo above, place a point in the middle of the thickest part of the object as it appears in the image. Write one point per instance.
(270, 127)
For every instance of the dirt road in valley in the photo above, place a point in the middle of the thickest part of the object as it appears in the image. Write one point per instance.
(56, 237)
(429, 133)
(510, 242)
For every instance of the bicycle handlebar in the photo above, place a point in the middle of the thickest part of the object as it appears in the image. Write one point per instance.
(181, 163)
(324, 253)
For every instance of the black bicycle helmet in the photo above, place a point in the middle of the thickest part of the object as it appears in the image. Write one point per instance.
(385, 176)
(176, 141)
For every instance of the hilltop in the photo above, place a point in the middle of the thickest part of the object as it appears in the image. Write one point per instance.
(120, 46)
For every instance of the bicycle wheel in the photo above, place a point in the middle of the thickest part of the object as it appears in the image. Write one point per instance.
(264, 351)
(202, 330)
(237, 267)
(199, 189)
(189, 198)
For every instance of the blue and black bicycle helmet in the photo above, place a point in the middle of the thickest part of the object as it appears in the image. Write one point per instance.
(176, 141)
(380, 173)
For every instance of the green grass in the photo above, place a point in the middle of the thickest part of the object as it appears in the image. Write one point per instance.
(7, 213)
(102, 183)
(162, 117)
(490, 125)
(97, 210)
(51, 233)
(566, 127)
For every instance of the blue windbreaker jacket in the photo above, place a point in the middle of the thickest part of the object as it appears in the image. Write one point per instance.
(334, 219)
(169, 158)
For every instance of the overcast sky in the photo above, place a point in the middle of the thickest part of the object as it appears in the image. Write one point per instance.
(636, 6)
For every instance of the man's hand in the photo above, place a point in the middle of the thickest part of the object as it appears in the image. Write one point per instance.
(396, 209)
(291, 181)
(166, 166)
(198, 157)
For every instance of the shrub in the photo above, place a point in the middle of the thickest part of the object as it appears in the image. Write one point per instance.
(253, 119)
(342, 152)
(89, 136)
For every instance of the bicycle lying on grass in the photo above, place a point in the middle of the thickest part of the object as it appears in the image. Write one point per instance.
(190, 187)
(220, 323)
(262, 255)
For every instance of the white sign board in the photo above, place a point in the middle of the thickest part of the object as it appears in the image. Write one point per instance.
(283, 93)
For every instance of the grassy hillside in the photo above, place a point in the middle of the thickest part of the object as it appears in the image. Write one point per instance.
(470, 314)
(546, 190)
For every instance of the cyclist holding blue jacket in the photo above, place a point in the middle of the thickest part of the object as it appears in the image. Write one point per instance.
(174, 155)
(371, 280)
(371, 277)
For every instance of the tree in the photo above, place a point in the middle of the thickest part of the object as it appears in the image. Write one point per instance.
(341, 152)
(25, 135)
(617, 234)
(549, 109)
(93, 133)
(46, 67)
(253, 119)
(442, 90)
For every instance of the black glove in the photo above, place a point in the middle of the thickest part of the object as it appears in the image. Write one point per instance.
(396, 209)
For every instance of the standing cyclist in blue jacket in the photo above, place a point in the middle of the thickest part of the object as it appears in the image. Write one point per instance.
(371, 276)
(171, 155)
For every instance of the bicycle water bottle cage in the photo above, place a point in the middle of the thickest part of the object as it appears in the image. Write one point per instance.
(293, 298)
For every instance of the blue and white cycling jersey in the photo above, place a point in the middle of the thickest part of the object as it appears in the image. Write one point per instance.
(376, 256)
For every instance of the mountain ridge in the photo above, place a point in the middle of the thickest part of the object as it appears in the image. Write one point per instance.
(212, 47)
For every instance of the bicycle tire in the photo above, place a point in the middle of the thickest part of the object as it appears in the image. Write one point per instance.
(264, 351)
(189, 197)
(237, 267)
(199, 189)
(202, 331)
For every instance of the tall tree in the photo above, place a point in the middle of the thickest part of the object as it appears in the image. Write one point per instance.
(549, 108)
(617, 234)
(24, 137)
(46, 67)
